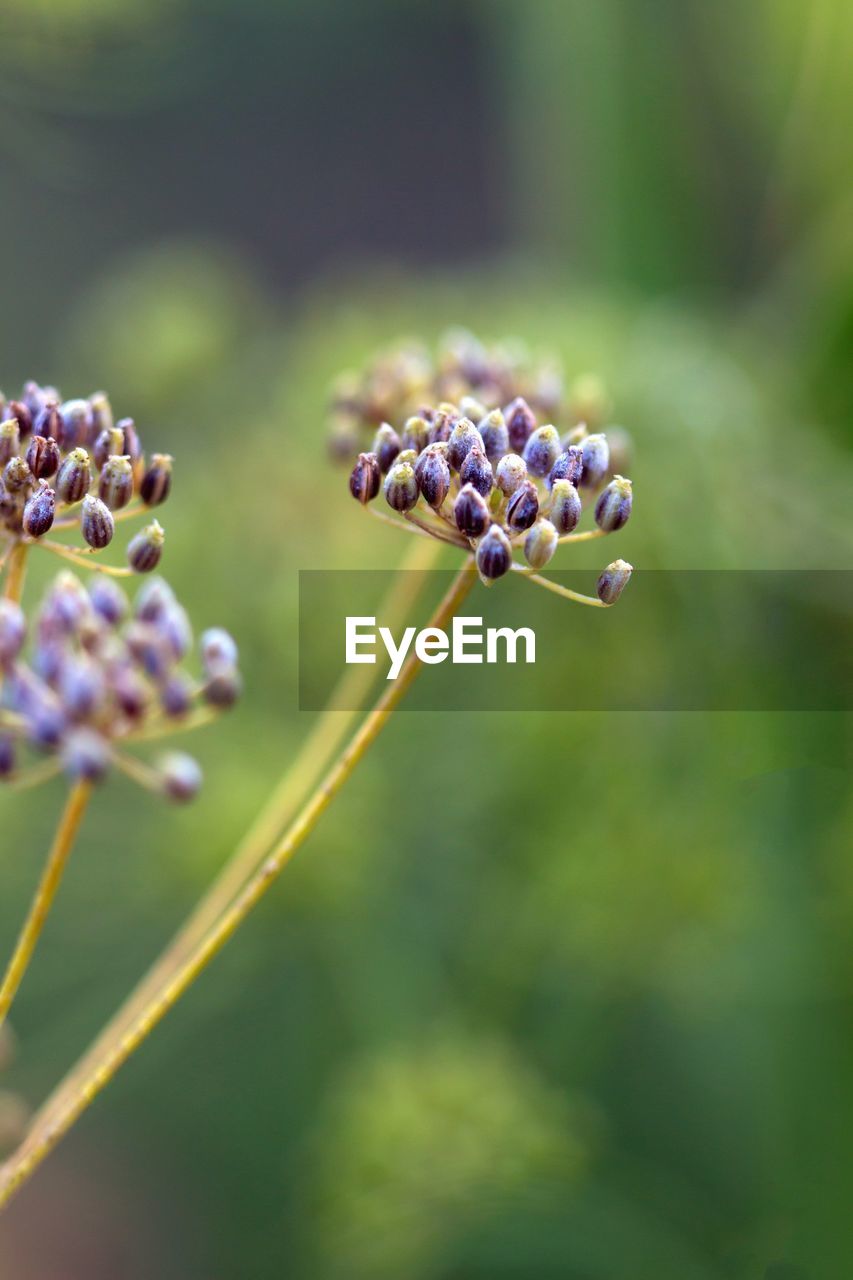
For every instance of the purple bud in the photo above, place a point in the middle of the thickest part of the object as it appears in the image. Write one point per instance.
(40, 512)
(613, 581)
(96, 523)
(101, 416)
(81, 687)
(495, 435)
(569, 466)
(596, 460)
(181, 776)
(510, 473)
(542, 450)
(223, 688)
(540, 544)
(477, 470)
(85, 755)
(115, 483)
(444, 420)
(176, 696)
(146, 548)
(74, 478)
(23, 416)
(461, 441)
(520, 422)
(156, 483)
(17, 476)
(174, 626)
(401, 487)
(565, 507)
(614, 505)
(108, 600)
(218, 649)
(76, 423)
(152, 599)
(433, 474)
(471, 512)
(48, 422)
(523, 507)
(415, 434)
(43, 456)
(494, 554)
(365, 478)
(386, 446)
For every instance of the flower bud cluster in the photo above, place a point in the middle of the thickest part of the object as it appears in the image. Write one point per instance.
(495, 481)
(69, 462)
(101, 673)
(463, 370)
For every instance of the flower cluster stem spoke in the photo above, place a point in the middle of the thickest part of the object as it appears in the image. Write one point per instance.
(85, 560)
(63, 843)
(14, 588)
(45, 1135)
(559, 590)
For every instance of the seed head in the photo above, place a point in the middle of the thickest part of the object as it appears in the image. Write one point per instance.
(565, 507)
(540, 544)
(433, 474)
(146, 548)
(494, 554)
(386, 446)
(461, 441)
(156, 483)
(471, 512)
(523, 507)
(511, 473)
(542, 450)
(477, 470)
(596, 460)
(96, 523)
(366, 478)
(39, 512)
(43, 456)
(115, 484)
(613, 581)
(614, 505)
(520, 422)
(74, 478)
(401, 487)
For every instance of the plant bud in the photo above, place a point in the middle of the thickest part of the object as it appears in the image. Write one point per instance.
(365, 478)
(520, 422)
(542, 450)
(471, 407)
(43, 456)
(145, 549)
(45, 724)
(7, 768)
(565, 508)
(477, 470)
(523, 507)
(181, 776)
(596, 460)
(613, 581)
(495, 435)
(415, 434)
(401, 487)
(108, 444)
(444, 420)
(176, 696)
(614, 505)
(540, 544)
(494, 554)
(74, 478)
(130, 692)
(569, 466)
(218, 649)
(17, 475)
(223, 688)
(157, 481)
(22, 415)
(115, 485)
(101, 414)
(81, 687)
(386, 446)
(77, 421)
(461, 441)
(433, 475)
(48, 422)
(510, 473)
(130, 439)
(96, 523)
(13, 631)
(85, 755)
(174, 626)
(10, 440)
(471, 512)
(152, 600)
(108, 600)
(40, 512)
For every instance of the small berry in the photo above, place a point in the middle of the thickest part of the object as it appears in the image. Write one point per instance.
(74, 478)
(108, 600)
(223, 688)
(218, 649)
(156, 483)
(386, 446)
(415, 434)
(181, 777)
(565, 508)
(495, 435)
(477, 470)
(461, 441)
(366, 478)
(76, 423)
(520, 422)
(511, 472)
(22, 414)
(433, 475)
(43, 457)
(146, 548)
(614, 505)
(540, 544)
(613, 581)
(40, 512)
(401, 487)
(596, 460)
(85, 755)
(115, 484)
(569, 466)
(17, 475)
(523, 507)
(542, 450)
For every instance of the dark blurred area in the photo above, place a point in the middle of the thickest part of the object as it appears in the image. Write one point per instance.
(546, 995)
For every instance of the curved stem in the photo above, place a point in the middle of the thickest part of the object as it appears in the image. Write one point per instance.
(66, 832)
(44, 1137)
(317, 750)
(17, 572)
(85, 560)
(559, 590)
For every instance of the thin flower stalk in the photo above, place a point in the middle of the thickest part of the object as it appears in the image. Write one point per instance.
(43, 1138)
(63, 843)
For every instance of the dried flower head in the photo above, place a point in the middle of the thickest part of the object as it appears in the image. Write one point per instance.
(101, 675)
(482, 472)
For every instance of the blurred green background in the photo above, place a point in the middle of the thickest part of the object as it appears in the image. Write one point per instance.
(583, 1009)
